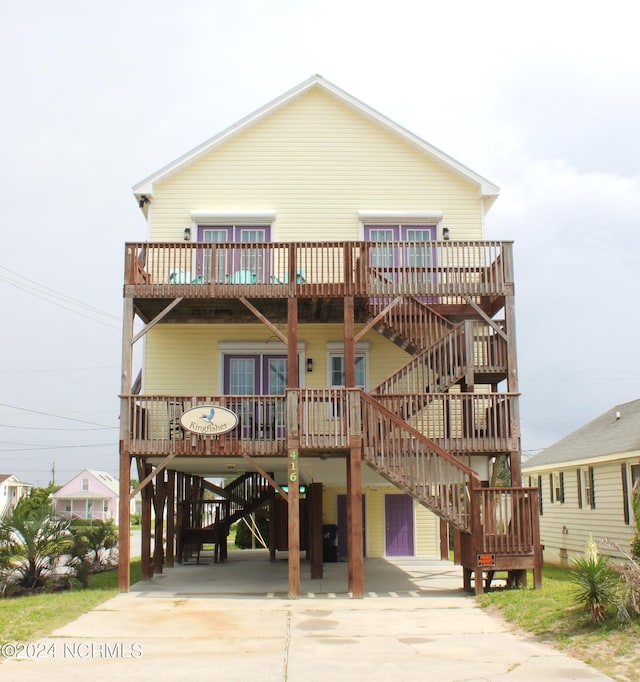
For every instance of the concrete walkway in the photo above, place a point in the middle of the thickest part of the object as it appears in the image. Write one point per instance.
(234, 622)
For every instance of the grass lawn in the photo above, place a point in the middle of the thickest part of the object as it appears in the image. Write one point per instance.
(550, 613)
(26, 618)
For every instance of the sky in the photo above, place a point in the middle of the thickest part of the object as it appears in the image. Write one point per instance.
(541, 98)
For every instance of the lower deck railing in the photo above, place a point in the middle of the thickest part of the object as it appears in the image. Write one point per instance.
(323, 419)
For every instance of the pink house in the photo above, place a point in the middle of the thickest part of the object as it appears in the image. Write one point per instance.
(89, 495)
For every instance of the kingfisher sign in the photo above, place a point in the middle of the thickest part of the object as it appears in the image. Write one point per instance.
(209, 420)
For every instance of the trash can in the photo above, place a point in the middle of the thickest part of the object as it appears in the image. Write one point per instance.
(330, 543)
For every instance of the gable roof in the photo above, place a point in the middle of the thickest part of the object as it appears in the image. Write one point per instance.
(145, 187)
(102, 476)
(617, 431)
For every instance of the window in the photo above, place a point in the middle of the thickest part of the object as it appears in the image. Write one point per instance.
(105, 506)
(556, 484)
(89, 514)
(244, 265)
(67, 506)
(84, 486)
(335, 370)
(586, 492)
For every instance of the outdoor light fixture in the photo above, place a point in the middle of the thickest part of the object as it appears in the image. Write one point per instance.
(187, 234)
(445, 234)
(143, 200)
(309, 364)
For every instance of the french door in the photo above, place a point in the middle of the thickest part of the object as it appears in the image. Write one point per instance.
(257, 375)
(244, 265)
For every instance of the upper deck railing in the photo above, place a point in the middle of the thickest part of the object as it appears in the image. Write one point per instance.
(275, 270)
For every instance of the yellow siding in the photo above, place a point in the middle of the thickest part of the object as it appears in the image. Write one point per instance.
(315, 162)
(426, 531)
(170, 369)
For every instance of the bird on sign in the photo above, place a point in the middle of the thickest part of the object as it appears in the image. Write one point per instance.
(209, 416)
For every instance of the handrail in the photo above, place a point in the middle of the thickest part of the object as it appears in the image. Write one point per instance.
(315, 268)
(417, 464)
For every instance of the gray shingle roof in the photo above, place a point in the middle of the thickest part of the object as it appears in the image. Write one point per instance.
(616, 431)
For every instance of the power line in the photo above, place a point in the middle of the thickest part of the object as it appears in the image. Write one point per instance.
(61, 447)
(52, 428)
(56, 298)
(56, 416)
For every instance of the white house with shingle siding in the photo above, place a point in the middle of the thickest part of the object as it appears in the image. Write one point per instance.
(586, 482)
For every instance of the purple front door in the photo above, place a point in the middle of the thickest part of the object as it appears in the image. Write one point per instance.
(398, 525)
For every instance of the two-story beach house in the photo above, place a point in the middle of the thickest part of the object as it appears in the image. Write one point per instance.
(323, 326)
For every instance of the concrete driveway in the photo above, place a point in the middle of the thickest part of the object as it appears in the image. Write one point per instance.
(233, 621)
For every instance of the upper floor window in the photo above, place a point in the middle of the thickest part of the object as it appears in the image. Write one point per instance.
(84, 486)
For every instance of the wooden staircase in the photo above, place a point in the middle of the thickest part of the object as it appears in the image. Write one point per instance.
(208, 521)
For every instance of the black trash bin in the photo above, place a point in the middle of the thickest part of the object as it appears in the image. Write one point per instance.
(330, 543)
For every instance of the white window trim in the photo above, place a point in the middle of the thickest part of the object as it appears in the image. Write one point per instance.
(264, 217)
(400, 218)
(337, 348)
(263, 348)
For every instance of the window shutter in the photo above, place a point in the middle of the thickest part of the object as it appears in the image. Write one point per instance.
(561, 499)
(540, 493)
(551, 487)
(625, 494)
(593, 490)
(579, 484)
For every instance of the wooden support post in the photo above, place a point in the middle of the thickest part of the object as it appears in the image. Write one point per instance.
(272, 528)
(294, 520)
(124, 520)
(314, 493)
(159, 499)
(355, 520)
(513, 387)
(293, 446)
(444, 539)
(349, 343)
(171, 507)
(180, 512)
(145, 549)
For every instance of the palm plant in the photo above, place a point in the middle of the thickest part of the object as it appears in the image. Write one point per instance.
(32, 540)
(596, 583)
(97, 536)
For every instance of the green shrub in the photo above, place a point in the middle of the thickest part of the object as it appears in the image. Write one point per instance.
(244, 537)
(596, 583)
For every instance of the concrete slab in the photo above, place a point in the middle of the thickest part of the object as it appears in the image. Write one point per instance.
(234, 621)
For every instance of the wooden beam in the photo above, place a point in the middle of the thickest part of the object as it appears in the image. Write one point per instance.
(496, 327)
(377, 319)
(156, 319)
(272, 328)
(152, 474)
(264, 474)
(159, 501)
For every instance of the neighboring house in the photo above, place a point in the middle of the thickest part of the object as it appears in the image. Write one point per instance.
(89, 495)
(586, 482)
(319, 274)
(11, 491)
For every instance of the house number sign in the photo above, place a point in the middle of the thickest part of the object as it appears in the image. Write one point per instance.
(293, 466)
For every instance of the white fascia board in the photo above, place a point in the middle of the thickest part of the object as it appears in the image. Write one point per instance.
(485, 187)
